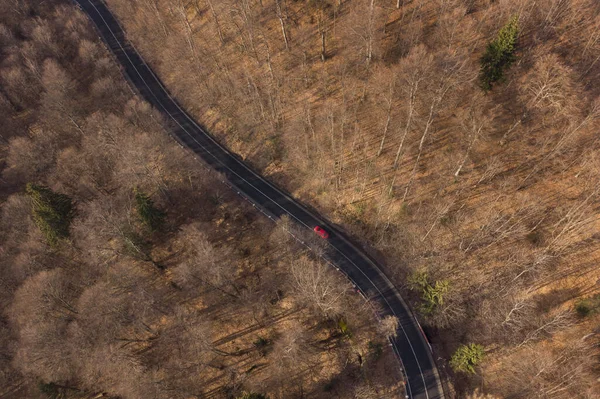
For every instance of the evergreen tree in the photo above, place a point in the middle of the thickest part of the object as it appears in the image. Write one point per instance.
(499, 54)
(466, 358)
(432, 295)
(52, 212)
(148, 213)
(50, 390)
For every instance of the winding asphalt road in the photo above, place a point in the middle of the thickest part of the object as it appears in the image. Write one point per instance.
(410, 346)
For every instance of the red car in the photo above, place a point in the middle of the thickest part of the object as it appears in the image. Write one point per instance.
(319, 230)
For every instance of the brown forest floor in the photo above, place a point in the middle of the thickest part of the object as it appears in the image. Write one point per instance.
(514, 230)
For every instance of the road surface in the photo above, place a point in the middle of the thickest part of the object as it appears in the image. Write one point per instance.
(410, 346)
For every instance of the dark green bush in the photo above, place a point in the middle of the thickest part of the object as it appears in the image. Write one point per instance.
(262, 345)
(376, 349)
(588, 306)
(534, 237)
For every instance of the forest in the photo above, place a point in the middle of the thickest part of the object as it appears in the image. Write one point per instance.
(129, 270)
(456, 138)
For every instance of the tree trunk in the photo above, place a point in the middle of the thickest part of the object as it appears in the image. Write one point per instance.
(421, 143)
(388, 119)
(370, 32)
(464, 160)
(323, 45)
(216, 18)
(411, 109)
(281, 21)
(161, 21)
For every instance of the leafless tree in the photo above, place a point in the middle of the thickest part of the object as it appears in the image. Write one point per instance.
(365, 391)
(558, 373)
(186, 341)
(364, 27)
(492, 168)
(388, 326)
(28, 158)
(216, 20)
(205, 264)
(572, 223)
(292, 355)
(153, 6)
(454, 72)
(549, 325)
(477, 394)
(182, 12)
(565, 139)
(414, 69)
(41, 310)
(549, 85)
(316, 286)
(389, 104)
(14, 220)
(59, 101)
(474, 124)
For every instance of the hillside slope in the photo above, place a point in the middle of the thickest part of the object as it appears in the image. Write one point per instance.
(373, 110)
(128, 270)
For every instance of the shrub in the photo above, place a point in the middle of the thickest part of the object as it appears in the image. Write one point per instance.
(534, 238)
(261, 345)
(418, 280)
(587, 306)
(376, 349)
(344, 329)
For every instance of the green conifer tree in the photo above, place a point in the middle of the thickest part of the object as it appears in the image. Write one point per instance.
(148, 213)
(432, 295)
(52, 212)
(50, 390)
(499, 54)
(466, 358)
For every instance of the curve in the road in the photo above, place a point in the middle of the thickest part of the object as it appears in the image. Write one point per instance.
(410, 345)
